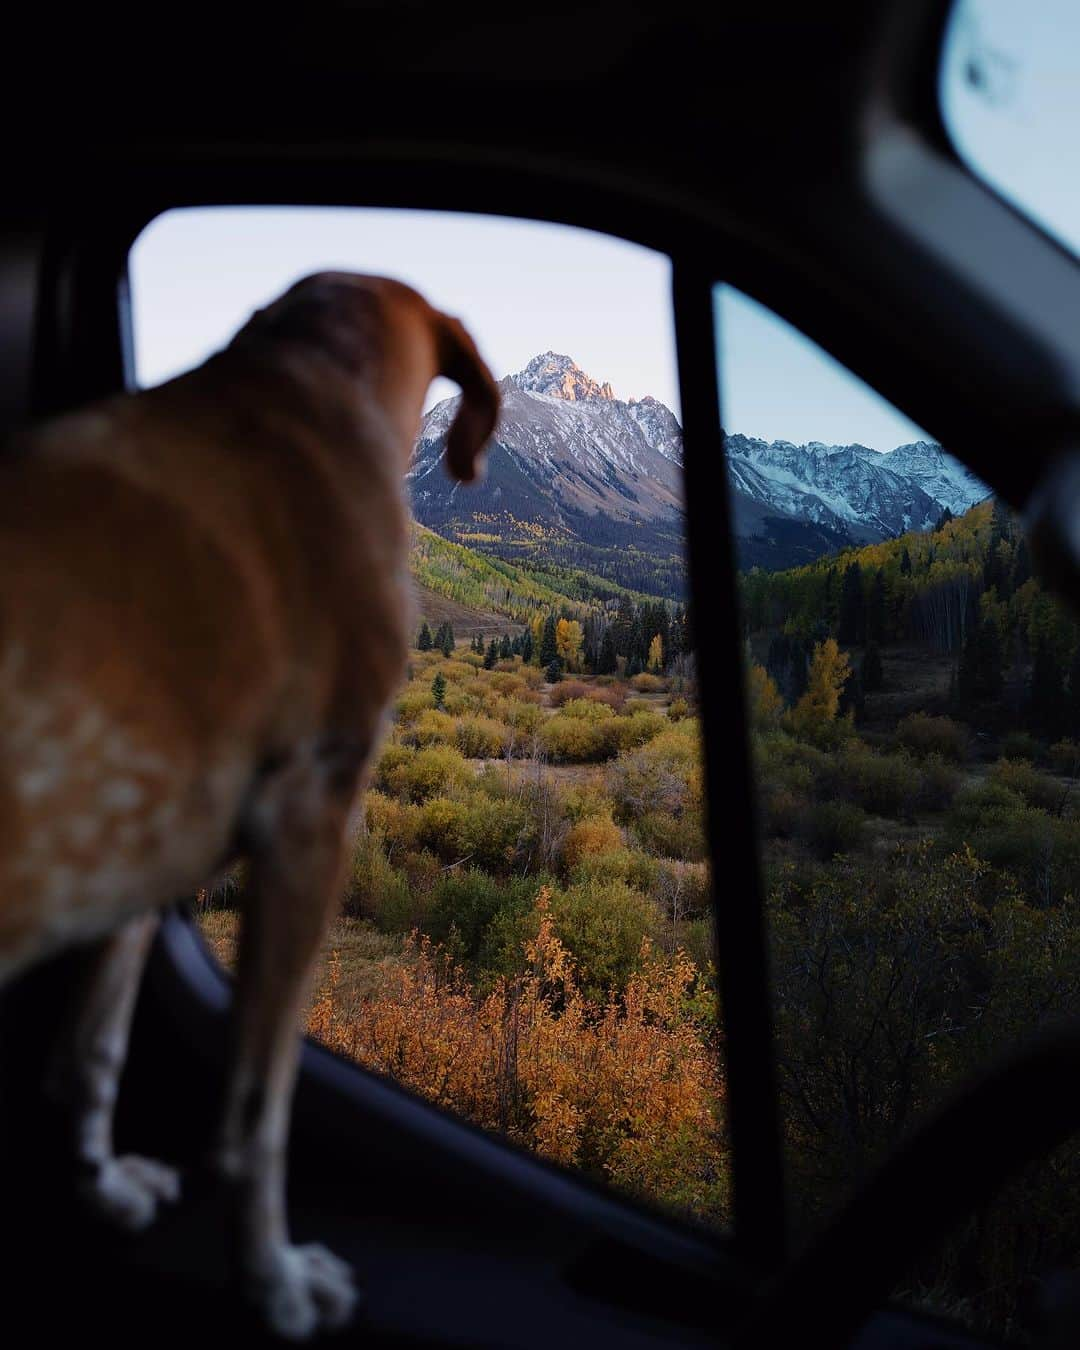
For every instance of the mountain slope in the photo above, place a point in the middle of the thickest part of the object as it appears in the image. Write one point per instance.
(579, 478)
(574, 476)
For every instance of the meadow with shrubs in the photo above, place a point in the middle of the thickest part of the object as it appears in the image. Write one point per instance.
(526, 935)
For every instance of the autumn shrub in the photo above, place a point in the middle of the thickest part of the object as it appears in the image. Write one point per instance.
(678, 708)
(940, 783)
(398, 822)
(392, 758)
(924, 734)
(682, 889)
(1021, 777)
(648, 683)
(640, 726)
(781, 811)
(464, 905)
(480, 737)
(534, 1059)
(432, 727)
(1020, 745)
(573, 737)
(885, 785)
(413, 700)
(1065, 758)
(594, 834)
(603, 925)
(491, 833)
(425, 773)
(506, 682)
(377, 891)
(458, 672)
(579, 801)
(523, 719)
(613, 697)
(567, 690)
(462, 699)
(636, 868)
(832, 828)
(641, 781)
(681, 836)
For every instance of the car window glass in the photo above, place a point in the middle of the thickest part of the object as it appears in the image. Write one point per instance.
(914, 694)
(525, 934)
(1010, 99)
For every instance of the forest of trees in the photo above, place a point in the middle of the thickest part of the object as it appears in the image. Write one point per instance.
(627, 638)
(916, 735)
(965, 590)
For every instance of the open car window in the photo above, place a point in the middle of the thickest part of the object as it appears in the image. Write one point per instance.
(525, 936)
(914, 695)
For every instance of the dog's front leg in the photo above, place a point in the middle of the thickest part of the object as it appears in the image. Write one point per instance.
(297, 830)
(125, 1190)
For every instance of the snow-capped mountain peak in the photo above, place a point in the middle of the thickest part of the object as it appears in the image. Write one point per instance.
(559, 377)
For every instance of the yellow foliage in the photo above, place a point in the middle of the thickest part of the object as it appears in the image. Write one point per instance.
(764, 699)
(655, 660)
(594, 834)
(629, 1090)
(569, 637)
(819, 705)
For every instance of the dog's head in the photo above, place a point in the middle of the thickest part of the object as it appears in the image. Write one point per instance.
(380, 328)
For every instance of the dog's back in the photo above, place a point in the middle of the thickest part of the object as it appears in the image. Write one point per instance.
(204, 613)
(192, 580)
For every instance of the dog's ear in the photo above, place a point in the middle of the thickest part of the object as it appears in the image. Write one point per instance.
(475, 421)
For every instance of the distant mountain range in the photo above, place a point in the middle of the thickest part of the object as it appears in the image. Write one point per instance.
(578, 478)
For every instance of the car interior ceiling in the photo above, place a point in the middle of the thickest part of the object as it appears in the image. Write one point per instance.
(787, 156)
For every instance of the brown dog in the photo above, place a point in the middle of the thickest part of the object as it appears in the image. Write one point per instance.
(204, 613)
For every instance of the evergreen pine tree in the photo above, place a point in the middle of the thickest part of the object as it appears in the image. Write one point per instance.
(981, 673)
(423, 640)
(549, 649)
(871, 674)
(505, 650)
(438, 688)
(622, 624)
(1072, 714)
(447, 644)
(491, 655)
(1048, 705)
(606, 662)
(1021, 564)
(905, 563)
(851, 622)
(875, 609)
(553, 672)
(526, 646)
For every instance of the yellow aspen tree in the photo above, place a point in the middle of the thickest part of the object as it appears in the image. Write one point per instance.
(764, 699)
(569, 637)
(818, 707)
(655, 660)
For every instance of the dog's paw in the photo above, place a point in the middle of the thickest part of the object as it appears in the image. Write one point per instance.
(307, 1289)
(127, 1191)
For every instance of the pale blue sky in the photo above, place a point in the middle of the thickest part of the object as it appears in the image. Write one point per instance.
(522, 287)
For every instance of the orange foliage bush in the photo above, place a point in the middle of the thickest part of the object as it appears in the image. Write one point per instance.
(629, 1091)
(595, 834)
(565, 690)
